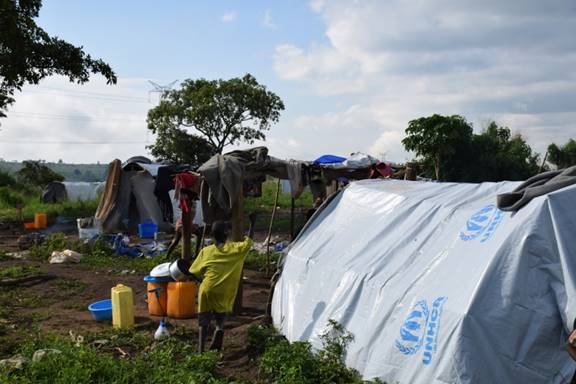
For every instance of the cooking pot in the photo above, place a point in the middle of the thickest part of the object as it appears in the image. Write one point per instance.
(179, 270)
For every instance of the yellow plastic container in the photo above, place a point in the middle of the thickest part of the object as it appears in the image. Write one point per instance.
(40, 220)
(122, 307)
(181, 299)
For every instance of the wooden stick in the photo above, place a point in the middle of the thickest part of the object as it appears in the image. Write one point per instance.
(270, 228)
(237, 235)
(543, 162)
(292, 219)
(186, 235)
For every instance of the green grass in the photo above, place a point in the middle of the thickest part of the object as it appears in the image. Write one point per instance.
(32, 205)
(117, 264)
(70, 287)
(170, 361)
(257, 260)
(4, 256)
(17, 272)
(284, 199)
(95, 256)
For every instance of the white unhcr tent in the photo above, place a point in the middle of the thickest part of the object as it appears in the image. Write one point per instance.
(436, 284)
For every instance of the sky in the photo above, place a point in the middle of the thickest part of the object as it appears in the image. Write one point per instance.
(352, 74)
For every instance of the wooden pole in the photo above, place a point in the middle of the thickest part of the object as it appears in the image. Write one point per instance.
(186, 235)
(292, 219)
(543, 162)
(237, 235)
(270, 229)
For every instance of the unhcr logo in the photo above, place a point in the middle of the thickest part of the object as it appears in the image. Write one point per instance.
(482, 224)
(420, 330)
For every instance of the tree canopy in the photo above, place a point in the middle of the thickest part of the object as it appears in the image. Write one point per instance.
(179, 147)
(437, 138)
(217, 113)
(36, 173)
(563, 156)
(28, 54)
(450, 151)
(497, 155)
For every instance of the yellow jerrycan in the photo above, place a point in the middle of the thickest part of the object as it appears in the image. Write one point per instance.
(122, 307)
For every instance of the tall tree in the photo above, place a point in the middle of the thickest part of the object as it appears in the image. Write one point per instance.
(437, 138)
(28, 54)
(37, 173)
(179, 147)
(493, 155)
(496, 154)
(563, 156)
(219, 112)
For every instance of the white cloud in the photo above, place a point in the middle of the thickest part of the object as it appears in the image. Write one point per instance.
(93, 122)
(395, 61)
(228, 17)
(268, 22)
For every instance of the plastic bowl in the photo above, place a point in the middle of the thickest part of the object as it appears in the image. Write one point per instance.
(101, 310)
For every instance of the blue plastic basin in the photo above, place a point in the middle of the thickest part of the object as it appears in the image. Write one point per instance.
(147, 230)
(101, 310)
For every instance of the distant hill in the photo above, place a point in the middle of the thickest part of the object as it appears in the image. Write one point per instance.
(72, 172)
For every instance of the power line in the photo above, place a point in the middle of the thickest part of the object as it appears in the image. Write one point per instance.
(42, 116)
(112, 98)
(69, 142)
(92, 93)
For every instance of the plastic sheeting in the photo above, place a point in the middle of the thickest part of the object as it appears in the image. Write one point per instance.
(436, 284)
(82, 190)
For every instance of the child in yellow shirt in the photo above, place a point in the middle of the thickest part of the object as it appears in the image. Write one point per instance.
(220, 266)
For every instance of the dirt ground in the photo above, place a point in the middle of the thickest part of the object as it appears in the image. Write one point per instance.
(60, 305)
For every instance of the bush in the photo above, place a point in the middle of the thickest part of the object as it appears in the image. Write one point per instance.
(37, 173)
(287, 363)
(6, 179)
(55, 242)
(11, 198)
(262, 337)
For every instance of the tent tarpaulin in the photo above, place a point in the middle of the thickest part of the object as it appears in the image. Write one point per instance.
(436, 284)
(129, 200)
(329, 159)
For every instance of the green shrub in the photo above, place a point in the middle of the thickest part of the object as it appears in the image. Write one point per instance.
(55, 242)
(262, 337)
(6, 179)
(291, 363)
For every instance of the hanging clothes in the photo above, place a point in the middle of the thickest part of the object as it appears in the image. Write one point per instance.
(186, 181)
(297, 181)
(223, 179)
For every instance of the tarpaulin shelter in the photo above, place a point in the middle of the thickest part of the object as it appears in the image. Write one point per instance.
(128, 198)
(58, 191)
(329, 159)
(54, 192)
(436, 283)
